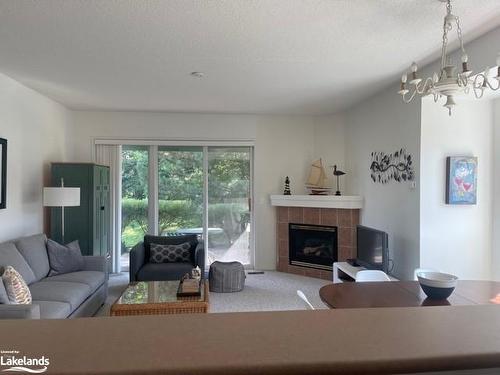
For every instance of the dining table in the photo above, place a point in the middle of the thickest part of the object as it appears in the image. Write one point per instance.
(406, 294)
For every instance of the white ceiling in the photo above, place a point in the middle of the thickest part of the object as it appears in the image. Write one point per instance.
(258, 56)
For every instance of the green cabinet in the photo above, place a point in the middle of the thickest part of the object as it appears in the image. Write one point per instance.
(90, 222)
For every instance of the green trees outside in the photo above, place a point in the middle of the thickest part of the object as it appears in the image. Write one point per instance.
(180, 188)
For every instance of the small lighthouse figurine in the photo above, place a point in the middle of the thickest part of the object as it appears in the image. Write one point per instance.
(337, 173)
(287, 187)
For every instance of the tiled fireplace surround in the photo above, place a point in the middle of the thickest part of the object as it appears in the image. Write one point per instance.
(344, 219)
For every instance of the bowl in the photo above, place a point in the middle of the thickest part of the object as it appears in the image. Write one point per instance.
(437, 285)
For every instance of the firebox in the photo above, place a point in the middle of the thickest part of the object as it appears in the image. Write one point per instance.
(313, 246)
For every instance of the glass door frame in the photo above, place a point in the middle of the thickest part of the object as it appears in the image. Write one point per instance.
(153, 184)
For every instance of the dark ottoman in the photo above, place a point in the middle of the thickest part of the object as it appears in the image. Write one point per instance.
(226, 277)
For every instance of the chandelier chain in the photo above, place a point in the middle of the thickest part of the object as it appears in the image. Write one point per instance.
(459, 32)
(445, 44)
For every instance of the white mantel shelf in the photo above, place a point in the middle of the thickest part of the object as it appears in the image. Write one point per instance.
(318, 201)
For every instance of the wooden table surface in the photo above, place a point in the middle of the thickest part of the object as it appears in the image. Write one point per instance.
(406, 294)
(333, 341)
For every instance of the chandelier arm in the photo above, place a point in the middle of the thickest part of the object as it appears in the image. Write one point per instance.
(488, 83)
(408, 99)
(477, 86)
(425, 86)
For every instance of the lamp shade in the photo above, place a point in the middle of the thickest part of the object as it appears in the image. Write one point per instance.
(61, 196)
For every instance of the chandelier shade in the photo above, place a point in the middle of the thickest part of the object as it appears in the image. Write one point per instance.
(452, 79)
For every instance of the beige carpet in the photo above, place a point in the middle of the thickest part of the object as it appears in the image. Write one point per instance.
(271, 291)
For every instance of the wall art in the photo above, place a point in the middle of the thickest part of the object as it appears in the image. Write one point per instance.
(461, 180)
(397, 166)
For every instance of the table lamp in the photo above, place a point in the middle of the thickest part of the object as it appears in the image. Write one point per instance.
(61, 197)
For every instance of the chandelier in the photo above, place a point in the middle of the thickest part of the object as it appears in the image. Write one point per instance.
(449, 81)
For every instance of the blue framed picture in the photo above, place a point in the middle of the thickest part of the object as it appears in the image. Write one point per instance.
(461, 180)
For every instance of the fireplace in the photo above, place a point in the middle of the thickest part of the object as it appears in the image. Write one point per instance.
(312, 246)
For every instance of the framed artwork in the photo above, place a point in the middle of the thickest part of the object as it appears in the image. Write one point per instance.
(3, 173)
(461, 180)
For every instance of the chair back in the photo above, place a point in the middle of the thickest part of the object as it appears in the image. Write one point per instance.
(371, 275)
(418, 270)
(303, 297)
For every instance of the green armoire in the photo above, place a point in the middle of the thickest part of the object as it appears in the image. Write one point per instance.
(90, 222)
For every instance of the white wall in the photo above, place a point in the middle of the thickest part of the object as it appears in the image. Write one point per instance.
(456, 239)
(284, 145)
(495, 256)
(383, 123)
(34, 127)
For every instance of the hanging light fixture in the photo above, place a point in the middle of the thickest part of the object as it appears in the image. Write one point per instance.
(449, 81)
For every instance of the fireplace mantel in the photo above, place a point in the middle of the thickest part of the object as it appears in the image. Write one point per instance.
(318, 201)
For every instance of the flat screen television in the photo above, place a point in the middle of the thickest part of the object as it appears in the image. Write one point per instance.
(373, 248)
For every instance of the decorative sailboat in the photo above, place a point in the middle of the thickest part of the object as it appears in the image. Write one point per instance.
(317, 183)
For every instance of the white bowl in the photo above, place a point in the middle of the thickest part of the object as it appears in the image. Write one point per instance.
(437, 285)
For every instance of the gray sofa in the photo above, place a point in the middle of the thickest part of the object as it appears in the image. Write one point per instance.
(142, 270)
(70, 295)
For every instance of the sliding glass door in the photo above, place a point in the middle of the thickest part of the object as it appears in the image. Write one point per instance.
(180, 190)
(229, 204)
(134, 199)
(202, 190)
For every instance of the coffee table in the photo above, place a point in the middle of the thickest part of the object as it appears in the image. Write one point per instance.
(158, 298)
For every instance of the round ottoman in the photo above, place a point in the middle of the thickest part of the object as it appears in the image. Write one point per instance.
(226, 277)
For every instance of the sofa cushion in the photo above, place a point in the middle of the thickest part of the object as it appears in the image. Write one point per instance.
(10, 256)
(15, 286)
(61, 291)
(34, 250)
(163, 271)
(53, 309)
(4, 298)
(64, 258)
(94, 279)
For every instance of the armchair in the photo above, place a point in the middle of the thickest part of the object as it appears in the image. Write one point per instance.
(142, 270)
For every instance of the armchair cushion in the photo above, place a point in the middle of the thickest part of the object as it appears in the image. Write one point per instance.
(170, 253)
(170, 240)
(163, 271)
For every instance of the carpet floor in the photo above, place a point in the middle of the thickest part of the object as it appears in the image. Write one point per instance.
(271, 291)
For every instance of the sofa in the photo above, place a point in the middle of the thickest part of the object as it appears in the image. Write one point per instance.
(69, 295)
(143, 270)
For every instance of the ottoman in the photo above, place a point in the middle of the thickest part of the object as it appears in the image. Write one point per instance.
(226, 277)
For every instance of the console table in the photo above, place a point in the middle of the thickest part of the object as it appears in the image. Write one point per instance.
(343, 271)
(406, 294)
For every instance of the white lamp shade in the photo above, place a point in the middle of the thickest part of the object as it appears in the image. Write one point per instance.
(61, 196)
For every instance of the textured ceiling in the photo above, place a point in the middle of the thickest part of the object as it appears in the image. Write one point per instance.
(258, 56)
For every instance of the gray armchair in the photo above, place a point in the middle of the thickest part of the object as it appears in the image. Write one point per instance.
(142, 270)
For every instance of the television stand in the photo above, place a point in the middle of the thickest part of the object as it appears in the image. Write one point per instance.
(344, 272)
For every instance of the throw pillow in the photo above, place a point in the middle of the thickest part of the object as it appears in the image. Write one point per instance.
(15, 286)
(64, 258)
(170, 253)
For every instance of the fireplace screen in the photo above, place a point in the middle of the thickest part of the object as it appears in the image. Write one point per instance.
(313, 246)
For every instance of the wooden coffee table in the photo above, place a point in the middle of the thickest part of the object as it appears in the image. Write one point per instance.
(158, 298)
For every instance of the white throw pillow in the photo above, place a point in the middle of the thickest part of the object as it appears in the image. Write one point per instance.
(15, 286)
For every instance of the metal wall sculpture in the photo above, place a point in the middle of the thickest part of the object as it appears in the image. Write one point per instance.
(397, 166)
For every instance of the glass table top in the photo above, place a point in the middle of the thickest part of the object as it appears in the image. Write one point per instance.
(155, 292)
